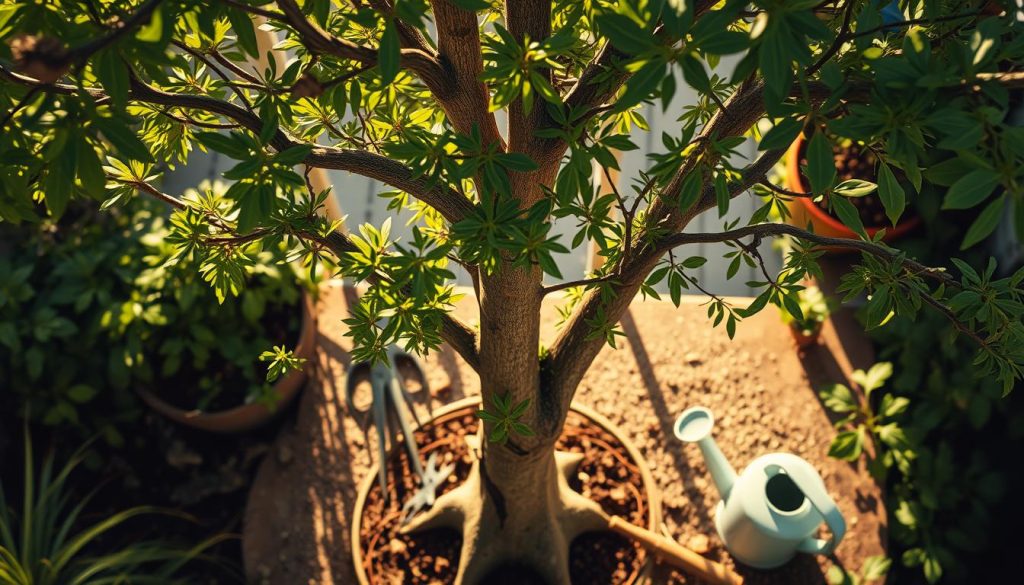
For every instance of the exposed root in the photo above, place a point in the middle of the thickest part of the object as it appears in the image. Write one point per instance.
(450, 509)
(537, 533)
(567, 463)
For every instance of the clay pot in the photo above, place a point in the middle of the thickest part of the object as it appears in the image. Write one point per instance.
(248, 416)
(803, 211)
(804, 340)
(471, 404)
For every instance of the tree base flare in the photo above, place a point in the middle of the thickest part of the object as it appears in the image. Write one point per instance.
(537, 529)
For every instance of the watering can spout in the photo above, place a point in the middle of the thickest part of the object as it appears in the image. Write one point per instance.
(694, 426)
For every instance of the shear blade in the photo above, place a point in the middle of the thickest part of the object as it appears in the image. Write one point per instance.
(425, 496)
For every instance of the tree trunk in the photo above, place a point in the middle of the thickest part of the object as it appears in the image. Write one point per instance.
(515, 509)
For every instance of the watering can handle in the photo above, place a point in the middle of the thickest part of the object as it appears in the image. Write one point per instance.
(809, 482)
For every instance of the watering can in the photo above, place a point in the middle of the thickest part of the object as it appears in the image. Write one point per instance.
(769, 512)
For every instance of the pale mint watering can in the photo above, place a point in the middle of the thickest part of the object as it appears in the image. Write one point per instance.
(771, 511)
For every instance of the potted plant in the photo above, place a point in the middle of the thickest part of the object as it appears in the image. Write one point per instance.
(806, 325)
(213, 362)
(380, 92)
(857, 166)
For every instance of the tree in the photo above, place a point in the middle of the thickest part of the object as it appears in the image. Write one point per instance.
(406, 93)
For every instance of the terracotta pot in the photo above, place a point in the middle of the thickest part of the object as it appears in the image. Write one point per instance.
(804, 340)
(249, 416)
(804, 211)
(471, 404)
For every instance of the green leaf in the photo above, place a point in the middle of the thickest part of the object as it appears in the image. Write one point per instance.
(821, 167)
(854, 188)
(847, 446)
(153, 30)
(624, 34)
(641, 84)
(948, 172)
(875, 567)
(124, 139)
(722, 195)
(848, 215)
(725, 43)
(694, 73)
(691, 189)
(389, 53)
(81, 393)
(985, 224)
(113, 76)
(774, 58)
(473, 5)
(781, 135)
(228, 144)
(694, 262)
(90, 171)
(874, 378)
(889, 190)
(244, 31)
(268, 115)
(839, 398)
(971, 189)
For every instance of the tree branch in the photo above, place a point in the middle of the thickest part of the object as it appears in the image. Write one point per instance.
(779, 229)
(409, 35)
(318, 40)
(453, 84)
(460, 336)
(141, 16)
(585, 282)
(448, 202)
(458, 43)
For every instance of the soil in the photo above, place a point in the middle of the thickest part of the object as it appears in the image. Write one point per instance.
(760, 387)
(605, 475)
(279, 325)
(855, 162)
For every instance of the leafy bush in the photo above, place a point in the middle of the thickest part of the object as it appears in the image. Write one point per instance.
(95, 306)
(46, 545)
(932, 433)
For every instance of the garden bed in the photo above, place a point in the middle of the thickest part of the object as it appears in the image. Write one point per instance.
(299, 516)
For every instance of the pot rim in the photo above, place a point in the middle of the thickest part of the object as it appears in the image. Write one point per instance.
(650, 487)
(249, 416)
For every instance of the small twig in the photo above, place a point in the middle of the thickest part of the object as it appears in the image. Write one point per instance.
(269, 14)
(82, 53)
(780, 229)
(574, 283)
(783, 191)
(343, 78)
(627, 216)
(233, 67)
(911, 22)
(230, 83)
(24, 101)
(187, 119)
(840, 39)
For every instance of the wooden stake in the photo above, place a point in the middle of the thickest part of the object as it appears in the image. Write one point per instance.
(676, 555)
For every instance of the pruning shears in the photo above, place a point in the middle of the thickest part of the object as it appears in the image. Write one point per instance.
(390, 400)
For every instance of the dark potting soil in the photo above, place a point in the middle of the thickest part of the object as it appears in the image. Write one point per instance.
(606, 475)
(856, 162)
(279, 325)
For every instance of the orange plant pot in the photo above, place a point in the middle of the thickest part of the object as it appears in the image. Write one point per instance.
(248, 416)
(803, 211)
